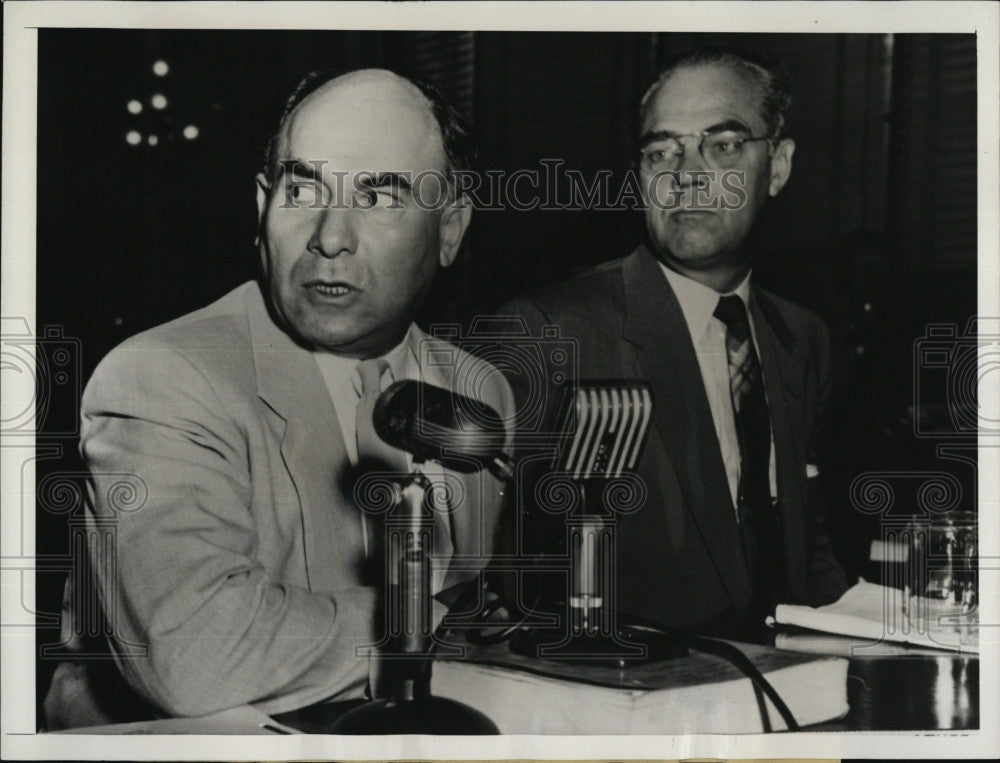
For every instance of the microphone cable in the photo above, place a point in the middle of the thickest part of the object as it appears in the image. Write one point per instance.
(735, 656)
(705, 644)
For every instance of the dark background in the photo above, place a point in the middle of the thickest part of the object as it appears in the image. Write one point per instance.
(876, 230)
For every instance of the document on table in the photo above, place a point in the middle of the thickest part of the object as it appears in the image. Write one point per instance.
(886, 614)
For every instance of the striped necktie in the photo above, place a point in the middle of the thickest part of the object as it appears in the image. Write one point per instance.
(758, 519)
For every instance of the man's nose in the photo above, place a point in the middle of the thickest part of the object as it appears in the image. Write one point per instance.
(691, 171)
(335, 233)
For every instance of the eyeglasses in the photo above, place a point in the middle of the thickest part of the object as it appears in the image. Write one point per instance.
(720, 150)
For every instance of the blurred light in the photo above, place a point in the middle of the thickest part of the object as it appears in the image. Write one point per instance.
(160, 68)
(133, 138)
(134, 107)
(190, 132)
(159, 101)
(152, 140)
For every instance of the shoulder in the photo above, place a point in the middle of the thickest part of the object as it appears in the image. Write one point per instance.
(589, 297)
(801, 323)
(209, 344)
(218, 325)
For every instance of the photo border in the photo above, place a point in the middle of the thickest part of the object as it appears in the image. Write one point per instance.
(22, 21)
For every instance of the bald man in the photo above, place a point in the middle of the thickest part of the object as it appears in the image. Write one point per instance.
(245, 578)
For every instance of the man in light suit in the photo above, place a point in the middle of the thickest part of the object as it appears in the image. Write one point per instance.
(247, 571)
(732, 521)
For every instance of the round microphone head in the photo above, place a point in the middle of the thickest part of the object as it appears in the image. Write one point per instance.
(435, 424)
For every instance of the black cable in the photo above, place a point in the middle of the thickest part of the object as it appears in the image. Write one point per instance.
(475, 591)
(723, 649)
(734, 655)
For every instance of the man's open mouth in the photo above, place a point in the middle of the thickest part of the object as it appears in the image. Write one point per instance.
(331, 288)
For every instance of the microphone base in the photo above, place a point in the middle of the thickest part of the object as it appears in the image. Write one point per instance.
(628, 647)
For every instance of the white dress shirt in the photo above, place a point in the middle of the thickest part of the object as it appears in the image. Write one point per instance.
(341, 377)
(343, 382)
(708, 334)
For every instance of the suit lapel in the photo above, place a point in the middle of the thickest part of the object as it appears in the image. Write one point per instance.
(783, 378)
(666, 357)
(312, 447)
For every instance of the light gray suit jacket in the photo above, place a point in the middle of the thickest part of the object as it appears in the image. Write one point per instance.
(243, 571)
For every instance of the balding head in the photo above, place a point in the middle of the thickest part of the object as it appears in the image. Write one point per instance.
(452, 134)
(385, 103)
(350, 239)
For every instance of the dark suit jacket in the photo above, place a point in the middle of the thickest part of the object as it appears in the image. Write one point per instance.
(239, 567)
(680, 560)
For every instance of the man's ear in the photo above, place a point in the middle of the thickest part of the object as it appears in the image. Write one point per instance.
(454, 221)
(781, 165)
(263, 189)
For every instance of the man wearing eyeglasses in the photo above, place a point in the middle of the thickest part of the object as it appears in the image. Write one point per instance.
(731, 523)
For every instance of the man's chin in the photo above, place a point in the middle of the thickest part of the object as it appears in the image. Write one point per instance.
(348, 343)
(338, 344)
(690, 241)
(692, 253)
(321, 337)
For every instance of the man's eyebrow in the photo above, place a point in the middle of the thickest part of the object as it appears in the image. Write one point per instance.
(365, 179)
(729, 125)
(385, 180)
(302, 169)
(654, 135)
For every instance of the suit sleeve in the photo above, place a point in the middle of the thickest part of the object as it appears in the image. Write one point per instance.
(827, 581)
(184, 581)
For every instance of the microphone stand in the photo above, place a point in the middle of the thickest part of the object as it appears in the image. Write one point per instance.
(410, 707)
(592, 634)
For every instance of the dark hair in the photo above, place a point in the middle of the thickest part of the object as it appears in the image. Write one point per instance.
(456, 135)
(768, 72)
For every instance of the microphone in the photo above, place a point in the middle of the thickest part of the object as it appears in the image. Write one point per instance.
(432, 424)
(436, 424)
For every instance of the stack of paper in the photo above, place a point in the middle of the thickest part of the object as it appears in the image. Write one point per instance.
(885, 614)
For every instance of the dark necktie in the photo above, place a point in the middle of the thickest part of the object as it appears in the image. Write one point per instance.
(757, 517)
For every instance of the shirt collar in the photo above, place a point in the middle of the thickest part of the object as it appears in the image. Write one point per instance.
(698, 302)
(338, 371)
